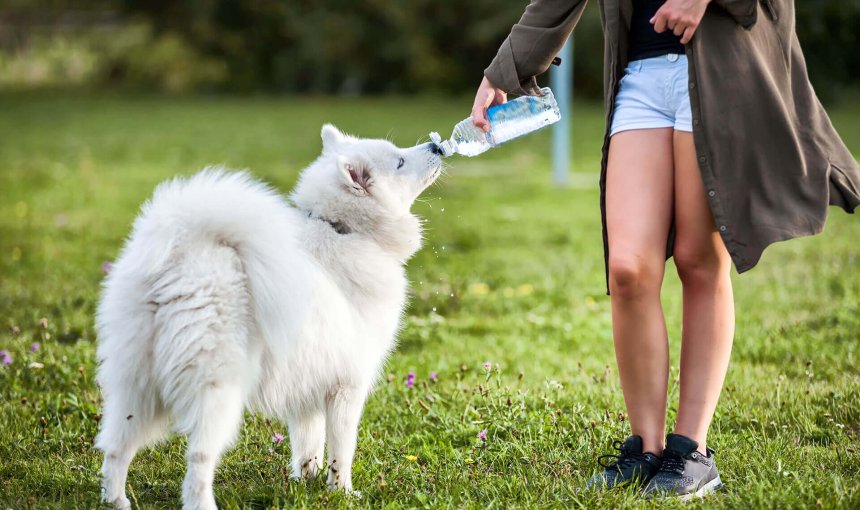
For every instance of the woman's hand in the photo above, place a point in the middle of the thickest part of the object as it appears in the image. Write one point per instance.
(487, 96)
(681, 17)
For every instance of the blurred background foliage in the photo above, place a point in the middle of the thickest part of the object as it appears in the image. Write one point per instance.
(345, 47)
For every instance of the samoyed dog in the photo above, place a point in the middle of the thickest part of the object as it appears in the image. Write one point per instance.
(227, 297)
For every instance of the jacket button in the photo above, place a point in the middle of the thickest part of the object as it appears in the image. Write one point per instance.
(692, 86)
(712, 193)
(695, 122)
(722, 228)
(702, 159)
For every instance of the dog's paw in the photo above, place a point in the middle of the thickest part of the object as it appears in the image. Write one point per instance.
(349, 491)
(121, 503)
(305, 470)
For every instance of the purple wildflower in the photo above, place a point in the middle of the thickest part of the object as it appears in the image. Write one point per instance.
(35, 347)
(488, 366)
(482, 435)
(7, 358)
(410, 379)
(107, 266)
(278, 438)
(434, 376)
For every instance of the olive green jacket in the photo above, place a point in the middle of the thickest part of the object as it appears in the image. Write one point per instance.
(770, 159)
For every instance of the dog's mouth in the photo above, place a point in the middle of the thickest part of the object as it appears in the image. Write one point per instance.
(434, 174)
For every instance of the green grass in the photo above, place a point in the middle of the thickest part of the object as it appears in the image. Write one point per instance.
(512, 273)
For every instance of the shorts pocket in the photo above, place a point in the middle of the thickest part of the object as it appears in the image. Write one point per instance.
(631, 69)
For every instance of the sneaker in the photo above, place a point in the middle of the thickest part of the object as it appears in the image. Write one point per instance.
(684, 472)
(630, 466)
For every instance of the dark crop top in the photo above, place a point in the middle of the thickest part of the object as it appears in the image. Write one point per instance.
(644, 41)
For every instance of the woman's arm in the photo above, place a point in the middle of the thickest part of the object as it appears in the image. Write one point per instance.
(532, 45)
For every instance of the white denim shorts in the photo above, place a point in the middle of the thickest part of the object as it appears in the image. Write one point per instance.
(653, 93)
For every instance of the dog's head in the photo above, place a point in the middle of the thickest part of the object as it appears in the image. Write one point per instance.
(368, 186)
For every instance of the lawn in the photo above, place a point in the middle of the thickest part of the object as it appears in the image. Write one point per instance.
(511, 274)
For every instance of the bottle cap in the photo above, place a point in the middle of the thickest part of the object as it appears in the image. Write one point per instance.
(445, 147)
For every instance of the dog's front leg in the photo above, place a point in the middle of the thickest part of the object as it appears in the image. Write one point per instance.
(343, 411)
(307, 442)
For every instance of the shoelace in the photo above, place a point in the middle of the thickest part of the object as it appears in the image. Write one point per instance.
(673, 462)
(624, 459)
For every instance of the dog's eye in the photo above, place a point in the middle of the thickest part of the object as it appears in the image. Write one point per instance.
(400, 163)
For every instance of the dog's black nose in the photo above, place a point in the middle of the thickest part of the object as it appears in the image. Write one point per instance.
(435, 149)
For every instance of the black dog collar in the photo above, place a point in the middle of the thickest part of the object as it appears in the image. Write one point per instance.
(338, 226)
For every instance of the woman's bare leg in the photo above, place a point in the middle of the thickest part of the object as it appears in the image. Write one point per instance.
(709, 317)
(639, 191)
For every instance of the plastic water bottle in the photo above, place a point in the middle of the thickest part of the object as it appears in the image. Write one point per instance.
(509, 120)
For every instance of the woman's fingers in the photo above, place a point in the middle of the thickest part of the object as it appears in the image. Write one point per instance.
(479, 110)
(491, 94)
(659, 21)
(486, 96)
(688, 34)
(682, 17)
(664, 22)
(682, 29)
(500, 96)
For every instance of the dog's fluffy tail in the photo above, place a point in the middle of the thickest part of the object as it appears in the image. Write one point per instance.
(235, 210)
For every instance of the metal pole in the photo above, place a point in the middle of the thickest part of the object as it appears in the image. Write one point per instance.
(561, 82)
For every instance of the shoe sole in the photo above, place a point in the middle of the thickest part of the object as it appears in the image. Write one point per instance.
(709, 488)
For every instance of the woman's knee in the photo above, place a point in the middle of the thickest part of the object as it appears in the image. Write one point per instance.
(631, 276)
(701, 265)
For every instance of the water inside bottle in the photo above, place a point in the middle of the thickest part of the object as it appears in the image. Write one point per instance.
(470, 140)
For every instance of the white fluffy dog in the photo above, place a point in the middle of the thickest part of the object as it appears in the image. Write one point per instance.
(227, 298)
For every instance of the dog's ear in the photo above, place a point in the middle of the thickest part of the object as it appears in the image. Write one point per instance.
(331, 137)
(356, 177)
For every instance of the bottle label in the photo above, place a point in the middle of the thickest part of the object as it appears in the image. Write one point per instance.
(528, 106)
(522, 115)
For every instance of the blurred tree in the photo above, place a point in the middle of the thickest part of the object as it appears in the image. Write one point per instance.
(346, 46)
(354, 46)
(827, 30)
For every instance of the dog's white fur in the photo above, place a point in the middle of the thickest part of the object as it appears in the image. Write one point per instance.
(227, 298)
